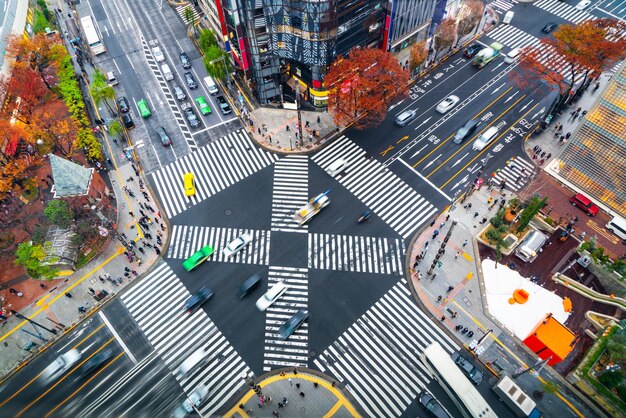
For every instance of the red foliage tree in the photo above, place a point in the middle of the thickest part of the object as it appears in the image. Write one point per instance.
(363, 85)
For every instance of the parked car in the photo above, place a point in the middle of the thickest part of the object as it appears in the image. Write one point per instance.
(180, 94)
(447, 104)
(549, 27)
(158, 54)
(122, 105)
(271, 296)
(164, 137)
(60, 366)
(202, 105)
(191, 117)
(191, 82)
(472, 50)
(292, 324)
(433, 407)
(405, 117)
(583, 202)
(237, 244)
(184, 59)
(224, 107)
(127, 121)
(466, 131)
(96, 362)
(194, 302)
(475, 375)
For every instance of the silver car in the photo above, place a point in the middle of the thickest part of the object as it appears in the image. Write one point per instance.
(237, 244)
(60, 366)
(405, 117)
(447, 104)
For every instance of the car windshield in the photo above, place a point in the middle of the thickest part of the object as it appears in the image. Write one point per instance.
(462, 131)
(236, 243)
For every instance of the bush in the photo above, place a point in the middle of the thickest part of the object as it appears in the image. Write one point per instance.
(549, 221)
(611, 379)
(39, 234)
(621, 392)
(59, 213)
(533, 208)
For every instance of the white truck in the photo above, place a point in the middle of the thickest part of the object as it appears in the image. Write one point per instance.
(311, 209)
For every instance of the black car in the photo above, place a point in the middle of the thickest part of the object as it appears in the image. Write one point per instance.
(191, 117)
(475, 375)
(466, 131)
(433, 407)
(96, 362)
(549, 27)
(195, 301)
(472, 50)
(249, 285)
(292, 324)
(184, 58)
(224, 107)
(122, 105)
(191, 82)
(164, 137)
(127, 121)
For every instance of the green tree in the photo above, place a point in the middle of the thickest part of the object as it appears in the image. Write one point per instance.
(216, 62)
(59, 213)
(207, 39)
(115, 128)
(612, 378)
(533, 208)
(101, 91)
(190, 17)
(617, 348)
(31, 257)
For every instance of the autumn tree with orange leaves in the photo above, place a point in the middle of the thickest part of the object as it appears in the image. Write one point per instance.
(444, 36)
(363, 85)
(419, 53)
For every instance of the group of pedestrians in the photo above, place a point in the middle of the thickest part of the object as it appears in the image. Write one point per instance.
(538, 153)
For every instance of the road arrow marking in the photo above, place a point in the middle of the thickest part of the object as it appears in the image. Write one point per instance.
(527, 104)
(460, 182)
(460, 159)
(404, 138)
(498, 88)
(423, 122)
(419, 150)
(432, 161)
(395, 105)
(511, 96)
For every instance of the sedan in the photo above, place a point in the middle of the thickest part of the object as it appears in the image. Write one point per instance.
(184, 59)
(122, 105)
(158, 54)
(293, 324)
(237, 244)
(180, 94)
(191, 82)
(198, 258)
(475, 375)
(60, 366)
(164, 137)
(433, 407)
(194, 302)
(96, 362)
(472, 50)
(467, 130)
(271, 296)
(583, 5)
(549, 27)
(202, 105)
(224, 107)
(191, 117)
(447, 104)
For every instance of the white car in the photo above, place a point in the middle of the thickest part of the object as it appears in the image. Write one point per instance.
(60, 365)
(271, 296)
(447, 104)
(237, 244)
(583, 5)
(158, 54)
(196, 398)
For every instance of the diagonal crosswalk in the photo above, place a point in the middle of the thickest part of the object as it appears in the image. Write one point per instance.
(502, 6)
(517, 172)
(216, 166)
(563, 10)
(156, 304)
(187, 239)
(356, 253)
(294, 351)
(388, 196)
(181, 12)
(290, 192)
(378, 357)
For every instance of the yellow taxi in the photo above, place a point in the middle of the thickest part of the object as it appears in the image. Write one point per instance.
(190, 187)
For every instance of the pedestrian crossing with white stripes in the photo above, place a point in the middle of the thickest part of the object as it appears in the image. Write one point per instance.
(388, 196)
(181, 12)
(356, 253)
(378, 359)
(290, 192)
(502, 6)
(215, 167)
(187, 239)
(517, 173)
(564, 10)
(156, 304)
(512, 37)
(294, 351)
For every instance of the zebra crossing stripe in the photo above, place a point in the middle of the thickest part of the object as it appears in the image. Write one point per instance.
(293, 351)
(388, 196)
(290, 192)
(564, 11)
(215, 166)
(516, 172)
(156, 304)
(378, 358)
(502, 6)
(181, 12)
(187, 239)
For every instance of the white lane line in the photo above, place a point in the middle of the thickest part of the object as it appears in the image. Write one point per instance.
(425, 179)
(117, 337)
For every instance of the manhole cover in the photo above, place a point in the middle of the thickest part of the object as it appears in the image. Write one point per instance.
(228, 212)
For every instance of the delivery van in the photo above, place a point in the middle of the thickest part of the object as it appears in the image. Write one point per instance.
(167, 72)
(210, 85)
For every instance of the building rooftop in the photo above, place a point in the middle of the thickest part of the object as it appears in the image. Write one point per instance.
(70, 179)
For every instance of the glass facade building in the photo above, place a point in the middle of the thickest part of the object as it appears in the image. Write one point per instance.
(595, 157)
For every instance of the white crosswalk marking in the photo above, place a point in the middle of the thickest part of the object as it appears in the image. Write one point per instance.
(156, 304)
(187, 239)
(564, 10)
(516, 173)
(290, 192)
(181, 12)
(294, 351)
(513, 37)
(378, 358)
(389, 197)
(502, 6)
(216, 166)
(356, 253)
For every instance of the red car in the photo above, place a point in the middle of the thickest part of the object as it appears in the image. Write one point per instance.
(585, 204)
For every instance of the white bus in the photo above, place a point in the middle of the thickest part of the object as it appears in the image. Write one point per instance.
(92, 36)
(462, 392)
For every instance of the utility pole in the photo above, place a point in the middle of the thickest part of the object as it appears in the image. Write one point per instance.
(299, 113)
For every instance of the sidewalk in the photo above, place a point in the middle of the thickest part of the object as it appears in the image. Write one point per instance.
(105, 273)
(307, 394)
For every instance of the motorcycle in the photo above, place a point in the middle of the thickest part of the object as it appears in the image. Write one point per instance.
(364, 217)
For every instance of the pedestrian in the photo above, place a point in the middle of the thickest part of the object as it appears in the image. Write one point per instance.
(315, 384)
(141, 250)
(457, 255)
(131, 213)
(490, 200)
(318, 120)
(465, 242)
(275, 413)
(302, 394)
(535, 148)
(68, 294)
(543, 154)
(296, 134)
(333, 384)
(541, 161)
(441, 225)
(548, 156)
(435, 233)
(298, 385)
(157, 251)
(287, 128)
(483, 221)
(295, 371)
(43, 286)
(270, 138)
(560, 128)
(567, 135)
(290, 382)
(306, 124)
(447, 217)
(476, 214)
(443, 318)
(101, 279)
(439, 298)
